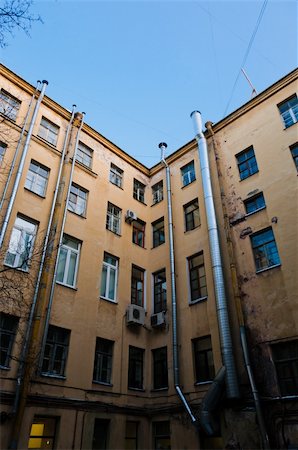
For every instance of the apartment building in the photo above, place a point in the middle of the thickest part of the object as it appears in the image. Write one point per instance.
(122, 326)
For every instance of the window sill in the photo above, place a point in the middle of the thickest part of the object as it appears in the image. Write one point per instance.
(166, 388)
(52, 375)
(198, 300)
(102, 383)
(140, 201)
(115, 184)
(188, 231)
(268, 268)
(86, 168)
(136, 389)
(4, 368)
(16, 268)
(248, 176)
(139, 246)
(67, 286)
(156, 203)
(202, 383)
(255, 211)
(158, 245)
(34, 193)
(76, 214)
(185, 185)
(116, 234)
(108, 300)
(47, 142)
(285, 128)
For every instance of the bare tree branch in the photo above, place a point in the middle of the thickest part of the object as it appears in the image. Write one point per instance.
(15, 14)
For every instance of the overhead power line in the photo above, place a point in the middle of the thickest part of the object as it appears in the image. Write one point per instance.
(247, 53)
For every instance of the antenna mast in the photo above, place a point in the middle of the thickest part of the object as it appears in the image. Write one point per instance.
(254, 92)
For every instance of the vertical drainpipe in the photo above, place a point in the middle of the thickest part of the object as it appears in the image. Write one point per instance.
(53, 284)
(220, 295)
(24, 350)
(13, 163)
(163, 146)
(22, 377)
(236, 292)
(22, 163)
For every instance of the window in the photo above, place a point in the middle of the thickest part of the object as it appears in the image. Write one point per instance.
(37, 178)
(131, 435)
(84, 154)
(113, 218)
(68, 261)
(161, 435)
(43, 432)
(160, 291)
(138, 233)
(254, 203)
(21, 244)
(8, 326)
(192, 215)
(77, 202)
(48, 131)
(203, 359)
(264, 249)
(3, 148)
(103, 361)
(289, 111)
(158, 229)
(135, 368)
(285, 357)
(109, 277)
(160, 368)
(294, 151)
(9, 105)
(116, 175)
(100, 434)
(197, 276)
(188, 173)
(157, 192)
(138, 191)
(137, 286)
(55, 351)
(247, 163)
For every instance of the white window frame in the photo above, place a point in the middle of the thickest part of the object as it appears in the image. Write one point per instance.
(84, 155)
(21, 229)
(187, 176)
(113, 218)
(69, 251)
(139, 190)
(116, 175)
(37, 176)
(77, 199)
(290, 116)
(157, 192)
(109, 267)
(9, 105)
(48, 131)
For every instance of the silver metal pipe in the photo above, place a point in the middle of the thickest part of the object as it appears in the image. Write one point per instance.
(24, 350)
(254, 389)
(21, 165)
(220, 295)
(163, 146)
(13, 163)
(48, 314)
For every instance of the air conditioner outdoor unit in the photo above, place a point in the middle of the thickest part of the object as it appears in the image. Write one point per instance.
(158, 319)
(130, 216)
(135, 315)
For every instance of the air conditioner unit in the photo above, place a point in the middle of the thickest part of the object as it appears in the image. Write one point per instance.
(158, 319)
(130, 216)
(135, 315)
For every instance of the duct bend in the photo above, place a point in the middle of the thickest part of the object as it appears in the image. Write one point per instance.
(220, 295)
(210, 402)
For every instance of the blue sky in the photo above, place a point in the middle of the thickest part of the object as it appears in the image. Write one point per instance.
(139, 68)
